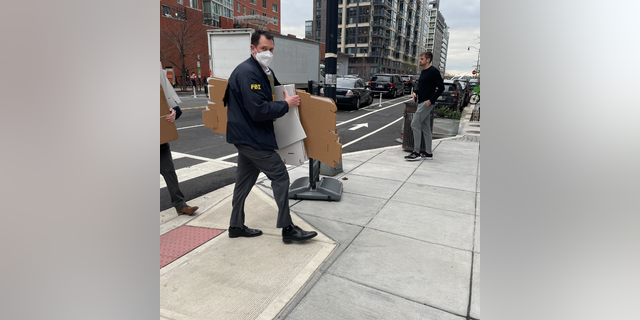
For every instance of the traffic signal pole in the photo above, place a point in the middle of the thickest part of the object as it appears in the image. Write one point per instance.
(331, 62)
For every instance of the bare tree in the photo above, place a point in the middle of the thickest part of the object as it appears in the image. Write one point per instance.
(179, 38)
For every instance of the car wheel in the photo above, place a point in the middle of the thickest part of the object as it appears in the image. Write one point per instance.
(395, 93)
(357, 106)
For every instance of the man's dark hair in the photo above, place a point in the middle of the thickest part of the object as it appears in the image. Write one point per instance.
(427, 55)
(255, 37)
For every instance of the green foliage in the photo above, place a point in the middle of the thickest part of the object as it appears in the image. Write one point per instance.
(447, 113)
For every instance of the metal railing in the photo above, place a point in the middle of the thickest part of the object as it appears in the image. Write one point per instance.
(383, 2)
(210, 19)
(380, 34)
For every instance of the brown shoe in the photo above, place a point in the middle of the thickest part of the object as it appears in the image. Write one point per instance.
(187, 210)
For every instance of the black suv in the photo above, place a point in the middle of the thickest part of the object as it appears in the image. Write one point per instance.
(410, 81)
(452, 96)
(389, 84)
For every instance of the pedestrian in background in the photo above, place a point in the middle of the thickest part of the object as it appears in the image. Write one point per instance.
(430, 87)
(193, 79)
(167, 169)
(251, 112)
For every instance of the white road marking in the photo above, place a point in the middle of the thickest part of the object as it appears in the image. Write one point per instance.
(199, 125)
(359, 125)
(227, 157)
(366, 135)
(370, 113)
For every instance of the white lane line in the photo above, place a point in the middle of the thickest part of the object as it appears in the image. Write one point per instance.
(176, 155)
(227, 157)
(199, 125)
(198, 170)
(370, 113)
(366, 135)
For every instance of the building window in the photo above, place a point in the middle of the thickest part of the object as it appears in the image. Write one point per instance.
(264, 4)
(238, 6)
(166, 11)
(194, 4)
(253, 2)
(264, 14)
(275, 20)
(275, 7)
(179, 1)
(244, 10)
(252, 11)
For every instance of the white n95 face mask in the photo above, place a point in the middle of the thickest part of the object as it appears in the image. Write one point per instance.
(264, 58)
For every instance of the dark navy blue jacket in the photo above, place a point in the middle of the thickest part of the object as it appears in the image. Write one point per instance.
(251, 109)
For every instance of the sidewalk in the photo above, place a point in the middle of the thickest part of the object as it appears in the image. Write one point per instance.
(402, 243)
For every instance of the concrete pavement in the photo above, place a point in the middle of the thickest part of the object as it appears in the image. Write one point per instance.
(402, 243)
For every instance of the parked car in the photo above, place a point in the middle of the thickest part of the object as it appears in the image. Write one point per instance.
(451, 96)
(388, 84)
(465, 91)
(410, 81)
(351, 92)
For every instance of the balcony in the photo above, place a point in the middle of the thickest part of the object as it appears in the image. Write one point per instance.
(380, 34)
(377, 44)
(173, 12)
(383, 13)
(375, 54)
(383, 2)
(381, 23)
(209, 19)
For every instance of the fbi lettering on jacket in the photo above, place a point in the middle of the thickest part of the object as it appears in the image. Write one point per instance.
(255, 87)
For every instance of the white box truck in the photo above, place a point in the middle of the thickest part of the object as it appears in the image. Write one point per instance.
(295, 61)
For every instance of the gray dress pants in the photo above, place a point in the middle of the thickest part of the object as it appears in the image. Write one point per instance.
(168, 172)
(250, 162)
(421, 124)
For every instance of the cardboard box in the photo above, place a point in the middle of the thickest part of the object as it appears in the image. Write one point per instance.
(215, 116)
(317, 116)
(168, 131)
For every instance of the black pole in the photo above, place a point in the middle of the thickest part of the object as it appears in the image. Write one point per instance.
(331, 49)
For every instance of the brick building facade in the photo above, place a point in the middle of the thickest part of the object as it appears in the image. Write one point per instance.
(184, 25)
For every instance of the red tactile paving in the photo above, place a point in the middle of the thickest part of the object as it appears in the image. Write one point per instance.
(178, 242)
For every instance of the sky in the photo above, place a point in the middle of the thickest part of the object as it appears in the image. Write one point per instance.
(461, 16)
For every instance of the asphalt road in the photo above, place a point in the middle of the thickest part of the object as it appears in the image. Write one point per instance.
(369, 127)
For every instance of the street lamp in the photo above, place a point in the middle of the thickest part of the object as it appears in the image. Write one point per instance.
(478, 61)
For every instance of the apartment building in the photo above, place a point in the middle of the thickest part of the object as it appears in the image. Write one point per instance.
(384, 36)
(437, 36)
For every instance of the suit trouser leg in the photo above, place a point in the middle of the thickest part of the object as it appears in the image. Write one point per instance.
(168, 172)
(270, 163)
(416, 126)
(246, 176)
(426, 128)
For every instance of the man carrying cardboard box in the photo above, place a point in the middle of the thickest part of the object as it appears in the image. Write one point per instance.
(167, 170)
(250, 115)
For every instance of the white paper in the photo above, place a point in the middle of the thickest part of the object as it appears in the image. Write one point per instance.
(169, 93)
(294, 154)
(288, 128)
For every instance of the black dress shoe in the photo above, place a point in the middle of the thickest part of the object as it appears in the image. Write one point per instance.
(296, 234)
(243, 231)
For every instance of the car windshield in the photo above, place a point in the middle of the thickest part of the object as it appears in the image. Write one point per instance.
(345, 83)
(381, 78)
(406, 78)
(450, 87)
(464, 84)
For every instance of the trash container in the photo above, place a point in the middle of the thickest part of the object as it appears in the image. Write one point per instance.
(407, 137)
